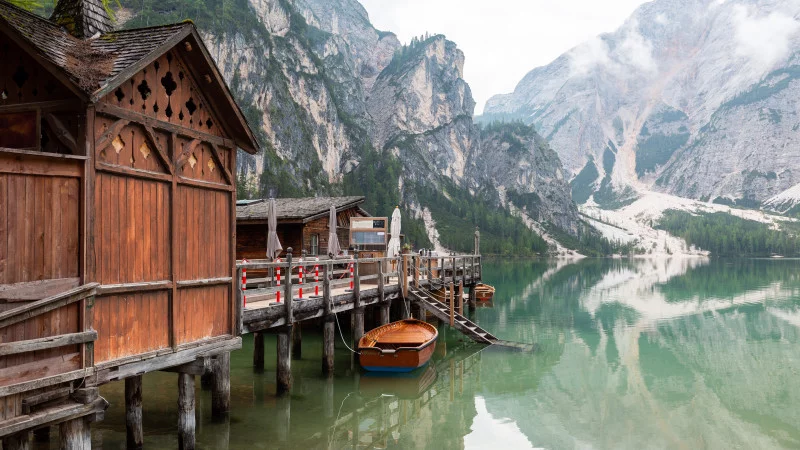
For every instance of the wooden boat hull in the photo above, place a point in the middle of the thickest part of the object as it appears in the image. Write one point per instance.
(484, 292)
(386, 348)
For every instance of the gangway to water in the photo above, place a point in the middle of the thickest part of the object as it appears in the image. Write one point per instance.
(462, 324)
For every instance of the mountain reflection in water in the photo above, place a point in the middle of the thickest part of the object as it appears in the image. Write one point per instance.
(672, 353)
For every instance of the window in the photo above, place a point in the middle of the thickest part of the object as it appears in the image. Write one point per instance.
(18, 130)
(314, 244)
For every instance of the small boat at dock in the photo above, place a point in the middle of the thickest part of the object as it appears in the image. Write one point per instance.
(400, 346)
(483, 292)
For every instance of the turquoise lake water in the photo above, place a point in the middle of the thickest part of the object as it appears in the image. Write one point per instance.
(673, 353)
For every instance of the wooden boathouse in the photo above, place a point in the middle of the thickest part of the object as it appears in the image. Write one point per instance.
(302, 224)
(117, 219)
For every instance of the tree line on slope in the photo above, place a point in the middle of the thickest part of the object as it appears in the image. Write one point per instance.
(725, 235)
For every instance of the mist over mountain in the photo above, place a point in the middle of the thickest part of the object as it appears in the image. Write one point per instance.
(695, 98)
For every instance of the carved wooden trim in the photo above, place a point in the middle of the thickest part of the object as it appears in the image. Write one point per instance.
(180, 161)
(108, 136)
(148, 131)
(225, 172)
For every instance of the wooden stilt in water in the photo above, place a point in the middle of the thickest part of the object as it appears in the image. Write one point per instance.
(452, 306)
(384, 313)
(358, 324)
(472, 299)
(75, 434)
(258, 351)
(186, 408)
(133, 412)
(284, 363)
(297, 340)
(327, 399)
(283, 417)
(328, 341)
(221, 385)
(18, 441)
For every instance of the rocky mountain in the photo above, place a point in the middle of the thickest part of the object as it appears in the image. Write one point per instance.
(343, 108)
(696, 98)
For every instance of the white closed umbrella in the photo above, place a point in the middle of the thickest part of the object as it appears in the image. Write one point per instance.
(333, 240)
(394, 243)
(274, 246)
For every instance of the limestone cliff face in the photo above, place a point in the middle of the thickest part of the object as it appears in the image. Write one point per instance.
(692, 97)
(339, 105)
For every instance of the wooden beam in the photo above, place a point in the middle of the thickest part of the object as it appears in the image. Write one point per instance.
(146, 286)
(36, 290)
(112, 132)
(39, 163)
(173, 249)
(199, 366)
(186, 408)
(53, 105)
(48, 304)
(205, 184)
(116, 111)
(28, 403)
(133, 172)
(14, 348)
(151, 135)
(62, 133)
(225, 172)
(204, 282)
(52, 415)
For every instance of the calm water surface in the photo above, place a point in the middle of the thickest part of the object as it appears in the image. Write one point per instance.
(632, 354)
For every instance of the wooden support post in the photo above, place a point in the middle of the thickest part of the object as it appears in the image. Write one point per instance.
(441, 270)
(472, 299)
(430, 274)
(405, 276)
(327, 270)
(328, 341)
(461, 297)
(452, 308)
(297, 341)
(415, 261)
(258, 351)
(75, 434)
(284, 363)
(133, 412)
(17, 441)
(186, 420)
(357, 284)
(358, 325)
(288, 299)
(477, 243)
(384, 313)
(283, 418)
(221, 388)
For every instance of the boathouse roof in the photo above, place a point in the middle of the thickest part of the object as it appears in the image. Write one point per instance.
(96, 65)
(301, 210)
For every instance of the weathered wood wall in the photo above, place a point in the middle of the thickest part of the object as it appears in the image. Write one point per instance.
(39, 219)
(164, 215)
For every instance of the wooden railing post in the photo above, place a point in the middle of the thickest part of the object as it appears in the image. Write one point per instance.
(452, 309)
(461, 297)
(356, 283)
(289, 298)
(430, 274)
(239, 301)
(405, 276)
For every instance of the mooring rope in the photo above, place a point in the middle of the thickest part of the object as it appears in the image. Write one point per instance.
(342, 335)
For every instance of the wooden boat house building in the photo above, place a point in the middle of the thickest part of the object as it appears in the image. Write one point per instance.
(117, 218)
(302, 224)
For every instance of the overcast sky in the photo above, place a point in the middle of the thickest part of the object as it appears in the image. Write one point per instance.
(502, 39)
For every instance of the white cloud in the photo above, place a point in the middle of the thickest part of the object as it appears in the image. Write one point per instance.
(661, 19)
(637, 52)
(763, 40)
(589, 55)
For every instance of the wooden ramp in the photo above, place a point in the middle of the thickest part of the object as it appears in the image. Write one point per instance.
(464, 325)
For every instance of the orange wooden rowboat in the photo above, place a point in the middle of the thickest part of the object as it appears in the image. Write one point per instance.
(400, 346)
(483, 292)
